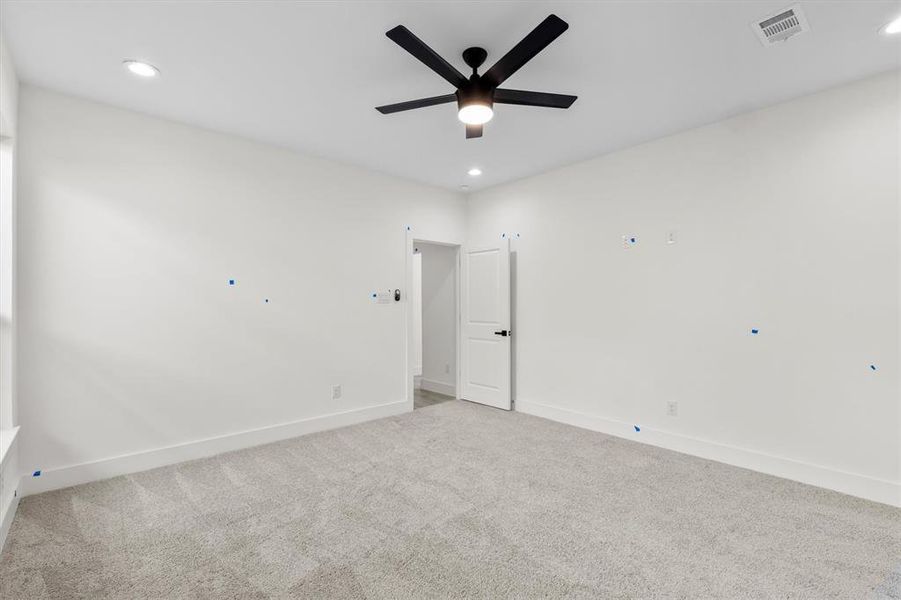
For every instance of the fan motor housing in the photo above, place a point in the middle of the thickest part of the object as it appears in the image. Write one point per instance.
(475, 92)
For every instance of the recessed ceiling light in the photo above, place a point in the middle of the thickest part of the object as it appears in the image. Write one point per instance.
(464, 187)
(141, 69)
(474, 172)
(893, 27)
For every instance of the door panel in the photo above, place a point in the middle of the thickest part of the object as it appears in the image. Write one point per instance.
(483, 279)
(486, 313)
(484, 369)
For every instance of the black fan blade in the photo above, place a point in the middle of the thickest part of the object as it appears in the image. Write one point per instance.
(415, 46)
(473, 131)
(411, 104)
(546, 32)
(504, 96)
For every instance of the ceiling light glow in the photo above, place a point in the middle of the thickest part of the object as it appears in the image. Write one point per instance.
(893, 27)
(141, 69)
(475, 114)
(474, 172)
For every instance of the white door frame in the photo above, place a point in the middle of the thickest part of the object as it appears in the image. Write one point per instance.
(411, 238)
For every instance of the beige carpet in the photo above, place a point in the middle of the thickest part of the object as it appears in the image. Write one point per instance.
(451, 501)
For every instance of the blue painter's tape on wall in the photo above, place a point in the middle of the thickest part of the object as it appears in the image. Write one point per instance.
(231, 282)
(632, 240)
(266, 300)
(755, 331)
(637, 428)
(873, 367)
(36, 474)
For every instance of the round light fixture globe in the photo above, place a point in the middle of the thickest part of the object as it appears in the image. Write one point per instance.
(475, 114)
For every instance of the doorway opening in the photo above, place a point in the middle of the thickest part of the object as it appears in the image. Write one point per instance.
(435, 310)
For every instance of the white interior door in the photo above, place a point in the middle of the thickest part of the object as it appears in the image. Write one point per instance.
(486, 331)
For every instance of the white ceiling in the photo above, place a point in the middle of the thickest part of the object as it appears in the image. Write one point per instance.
(307, 75)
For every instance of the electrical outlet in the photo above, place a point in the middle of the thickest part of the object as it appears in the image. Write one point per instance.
(672, 408)
(336, 392)
(671, 237)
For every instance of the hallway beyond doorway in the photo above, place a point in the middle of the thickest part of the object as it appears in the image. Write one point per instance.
(423, 398)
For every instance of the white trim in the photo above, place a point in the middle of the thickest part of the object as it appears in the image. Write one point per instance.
(440, 387)
(7, 521)
(61, 477)
(9, 481)
(458, 319)
(862, 486)
(7, 437)
(408, 320)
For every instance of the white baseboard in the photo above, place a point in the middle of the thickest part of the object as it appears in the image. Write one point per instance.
(9, 480)
(862, 486)
(439, 387)
(7, 520)
(61, 477)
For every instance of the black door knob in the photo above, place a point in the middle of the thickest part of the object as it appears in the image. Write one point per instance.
(502, 332)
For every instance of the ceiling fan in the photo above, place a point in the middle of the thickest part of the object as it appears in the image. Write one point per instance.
(477, 95)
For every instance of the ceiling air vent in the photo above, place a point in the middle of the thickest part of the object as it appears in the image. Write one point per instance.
(781, 26)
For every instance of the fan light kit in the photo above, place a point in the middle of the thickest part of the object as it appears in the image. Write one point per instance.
(474, 172)
(475, 114)
(477, 95)
(141, 69)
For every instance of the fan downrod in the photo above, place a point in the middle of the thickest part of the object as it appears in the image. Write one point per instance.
(474, 57)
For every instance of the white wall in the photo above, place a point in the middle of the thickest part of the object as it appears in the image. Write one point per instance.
(439, 328)
(416, 308)
(9, 467)
(9, 93)
(132, 347)
(131, 341)
(787, 220)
